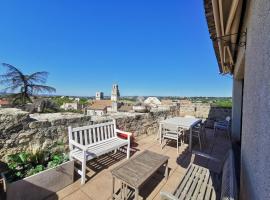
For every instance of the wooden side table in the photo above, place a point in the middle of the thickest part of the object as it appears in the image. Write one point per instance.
(135, 172)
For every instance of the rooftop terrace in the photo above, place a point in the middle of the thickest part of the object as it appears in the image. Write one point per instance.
(99, 181)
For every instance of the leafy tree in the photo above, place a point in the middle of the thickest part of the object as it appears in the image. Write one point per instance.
(25, 85)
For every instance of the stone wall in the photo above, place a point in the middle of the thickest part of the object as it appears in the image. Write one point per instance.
(21, 132)
(205, 111)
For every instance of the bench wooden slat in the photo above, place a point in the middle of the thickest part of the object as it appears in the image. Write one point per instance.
(188, 183)
(203, 181)
(80, 136)
(94, 135)
(98, 134)
(184, 180)
(75, 136)
(197, 177)
(101, 132)
(208, 192)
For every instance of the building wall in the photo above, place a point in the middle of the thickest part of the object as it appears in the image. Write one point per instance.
(237, 109)
(95, 112)
(255, 149)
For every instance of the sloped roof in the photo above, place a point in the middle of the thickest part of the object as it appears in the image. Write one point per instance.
(208, 9)
(125, 108)
(100, 104)
(152, 100)
(4, 102)
(167, 102)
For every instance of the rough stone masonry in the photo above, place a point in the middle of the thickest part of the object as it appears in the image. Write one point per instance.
(21, 131)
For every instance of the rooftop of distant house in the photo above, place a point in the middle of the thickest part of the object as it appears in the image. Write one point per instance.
(100, 104)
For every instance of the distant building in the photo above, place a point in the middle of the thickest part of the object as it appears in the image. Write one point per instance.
(125, 108)
(99, 107)
(152, 101)
(140, 99)
(99, 96)
(115, 93)
(71, 106)
(77, 99)
(168, 102)
(185, 102)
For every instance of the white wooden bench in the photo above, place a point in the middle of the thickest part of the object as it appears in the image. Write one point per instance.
(198, 183)
(89, 142)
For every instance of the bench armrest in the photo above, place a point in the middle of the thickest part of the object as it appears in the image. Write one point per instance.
(207, 156)
(124, 132)
(76, 144)
(167, 196)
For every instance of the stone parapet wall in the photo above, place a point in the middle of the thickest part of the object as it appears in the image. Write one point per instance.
(19, 132)
(205, 111)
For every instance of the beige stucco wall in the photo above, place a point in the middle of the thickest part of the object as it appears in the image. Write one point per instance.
(255, 149)
(237, 110)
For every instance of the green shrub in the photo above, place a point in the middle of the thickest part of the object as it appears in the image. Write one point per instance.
(25, 164)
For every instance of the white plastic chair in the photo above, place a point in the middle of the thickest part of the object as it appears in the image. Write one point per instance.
(171, 132)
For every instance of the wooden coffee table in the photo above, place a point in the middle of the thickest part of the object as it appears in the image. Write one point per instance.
(136, 171)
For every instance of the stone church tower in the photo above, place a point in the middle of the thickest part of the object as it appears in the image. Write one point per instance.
(115, 93)
(114, 97)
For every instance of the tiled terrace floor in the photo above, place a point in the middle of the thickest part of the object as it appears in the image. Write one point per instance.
(99, 182)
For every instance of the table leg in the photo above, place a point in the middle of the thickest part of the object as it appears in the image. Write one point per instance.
(190, 140)
(113, 185)
(136, 194)
(125, 193)
(167, 171)
(122, 190)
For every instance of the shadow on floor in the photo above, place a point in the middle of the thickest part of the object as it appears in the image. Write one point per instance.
(103, 162)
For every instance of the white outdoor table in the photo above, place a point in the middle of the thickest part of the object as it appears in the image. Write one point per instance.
(182, 122)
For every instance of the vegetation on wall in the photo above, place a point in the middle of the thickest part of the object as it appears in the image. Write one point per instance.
(223, 103)
(24, 164)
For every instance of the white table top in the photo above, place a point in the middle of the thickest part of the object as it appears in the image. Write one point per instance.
(183, 122)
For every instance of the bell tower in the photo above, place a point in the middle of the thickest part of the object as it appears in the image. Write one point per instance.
(115, 93)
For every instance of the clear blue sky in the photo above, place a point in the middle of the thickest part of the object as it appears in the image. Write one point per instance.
(148, 47)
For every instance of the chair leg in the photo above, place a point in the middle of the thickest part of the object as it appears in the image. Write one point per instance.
(229, 134)
(199, 136)
(83, 172)
(177, 145)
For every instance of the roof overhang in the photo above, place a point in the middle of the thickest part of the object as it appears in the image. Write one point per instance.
(223, 19)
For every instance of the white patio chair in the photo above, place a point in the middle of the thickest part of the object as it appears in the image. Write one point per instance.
(198, 131)
(171, 132)
(223, 125)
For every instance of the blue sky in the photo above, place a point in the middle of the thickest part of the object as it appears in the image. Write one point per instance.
(148, 47)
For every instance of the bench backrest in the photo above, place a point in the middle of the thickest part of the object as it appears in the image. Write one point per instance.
(87, 135)
(229, 185)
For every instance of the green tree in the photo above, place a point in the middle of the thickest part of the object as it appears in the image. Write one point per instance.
(25, 85)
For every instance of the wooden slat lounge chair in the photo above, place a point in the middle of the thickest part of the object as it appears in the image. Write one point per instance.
(200, 183)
